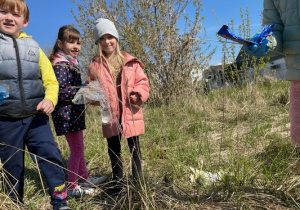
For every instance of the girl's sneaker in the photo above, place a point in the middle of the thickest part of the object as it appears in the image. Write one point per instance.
(115, 187)
(80, 192)
(93, 181)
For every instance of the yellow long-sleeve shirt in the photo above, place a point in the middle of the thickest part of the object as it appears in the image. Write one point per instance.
(48, 77)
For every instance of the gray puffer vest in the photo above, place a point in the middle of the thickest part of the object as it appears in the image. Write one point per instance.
(19, 69)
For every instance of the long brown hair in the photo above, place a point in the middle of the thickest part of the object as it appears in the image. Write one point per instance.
(66, 33)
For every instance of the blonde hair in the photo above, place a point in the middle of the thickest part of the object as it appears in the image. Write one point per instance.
(115, 63)
(16, 6)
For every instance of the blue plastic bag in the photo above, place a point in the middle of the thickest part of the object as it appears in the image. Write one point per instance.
(261, 49)
(227, 33)
(259, 45)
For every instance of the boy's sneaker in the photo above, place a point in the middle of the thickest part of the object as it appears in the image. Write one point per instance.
(80, 192)
(93, 181)
(64, 208)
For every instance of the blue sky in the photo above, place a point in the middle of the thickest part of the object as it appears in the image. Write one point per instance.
(47, 16)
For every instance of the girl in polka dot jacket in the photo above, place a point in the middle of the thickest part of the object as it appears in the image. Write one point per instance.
(69, 118)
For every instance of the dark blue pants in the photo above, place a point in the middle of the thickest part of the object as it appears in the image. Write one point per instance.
(36, 134)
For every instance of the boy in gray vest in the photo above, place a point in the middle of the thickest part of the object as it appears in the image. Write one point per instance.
(33, 92)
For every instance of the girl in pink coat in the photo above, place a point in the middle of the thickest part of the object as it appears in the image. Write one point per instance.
(127, 88)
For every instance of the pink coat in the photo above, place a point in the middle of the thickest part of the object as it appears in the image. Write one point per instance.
(133, 80)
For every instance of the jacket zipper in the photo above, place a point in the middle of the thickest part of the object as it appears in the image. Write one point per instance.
(20, 78)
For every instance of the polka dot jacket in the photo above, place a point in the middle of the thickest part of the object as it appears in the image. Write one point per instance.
(67, 117)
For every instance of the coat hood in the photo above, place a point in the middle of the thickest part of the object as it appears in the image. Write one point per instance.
(130, 58)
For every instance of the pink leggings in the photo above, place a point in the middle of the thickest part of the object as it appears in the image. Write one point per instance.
(295, 111)
(76, 162)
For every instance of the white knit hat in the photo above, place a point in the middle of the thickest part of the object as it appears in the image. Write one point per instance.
(104, 26)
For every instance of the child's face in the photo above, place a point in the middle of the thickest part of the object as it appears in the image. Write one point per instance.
(108, 44)
(11, 22)
(71, 47)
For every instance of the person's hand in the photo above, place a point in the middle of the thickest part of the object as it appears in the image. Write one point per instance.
(45, 106)
(135, 98)
(259, 50)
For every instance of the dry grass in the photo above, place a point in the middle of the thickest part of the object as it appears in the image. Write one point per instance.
(243, 132)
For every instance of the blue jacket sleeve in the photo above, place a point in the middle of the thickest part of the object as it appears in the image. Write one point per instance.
(66, 91)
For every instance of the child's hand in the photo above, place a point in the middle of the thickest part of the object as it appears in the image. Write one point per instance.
(45, 106)
(135, 98)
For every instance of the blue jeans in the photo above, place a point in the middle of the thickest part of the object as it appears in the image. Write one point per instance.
(34, 132)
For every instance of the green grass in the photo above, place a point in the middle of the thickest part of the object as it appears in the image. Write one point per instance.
(243, 132)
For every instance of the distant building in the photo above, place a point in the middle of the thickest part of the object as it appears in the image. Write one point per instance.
(209, 78)
(213, 76)
(275, 67)
(197, 75)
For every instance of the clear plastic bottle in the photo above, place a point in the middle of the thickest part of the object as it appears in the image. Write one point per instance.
(105, 113)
